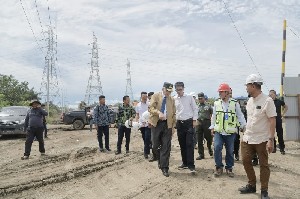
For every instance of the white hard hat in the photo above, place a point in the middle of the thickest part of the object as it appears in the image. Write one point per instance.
(254, 78)
(145, 116)
(131, 124)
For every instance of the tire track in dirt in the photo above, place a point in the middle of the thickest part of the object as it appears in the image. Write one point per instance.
(63, 175)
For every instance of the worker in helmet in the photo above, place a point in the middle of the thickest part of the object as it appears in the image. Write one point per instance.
(225, 118)
(259, 135)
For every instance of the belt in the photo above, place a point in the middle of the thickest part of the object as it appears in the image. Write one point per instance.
(160, 121)
(183, 121)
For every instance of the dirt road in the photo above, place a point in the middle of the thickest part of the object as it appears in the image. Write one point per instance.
(74, 169)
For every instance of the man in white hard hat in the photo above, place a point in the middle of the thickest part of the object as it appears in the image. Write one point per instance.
(259, 135)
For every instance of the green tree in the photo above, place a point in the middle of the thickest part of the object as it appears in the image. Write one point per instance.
(13, 92)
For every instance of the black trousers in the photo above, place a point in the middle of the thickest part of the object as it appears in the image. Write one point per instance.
(279, 131)
(185, 133)
(237, 144)
(121, 131)
(161, 143)
(204, 132)
(103, 130)
(31, 133)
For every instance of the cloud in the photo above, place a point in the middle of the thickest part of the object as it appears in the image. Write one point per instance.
(191, 41)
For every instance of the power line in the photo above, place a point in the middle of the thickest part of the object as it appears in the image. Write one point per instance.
(38, 14)
(293, 32)
(242, 40)
(31, 27)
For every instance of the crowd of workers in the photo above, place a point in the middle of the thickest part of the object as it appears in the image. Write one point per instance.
(160, 114)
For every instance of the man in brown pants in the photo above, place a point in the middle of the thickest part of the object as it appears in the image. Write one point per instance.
(259, 135)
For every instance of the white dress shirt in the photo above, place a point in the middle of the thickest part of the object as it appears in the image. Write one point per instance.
(186, 107)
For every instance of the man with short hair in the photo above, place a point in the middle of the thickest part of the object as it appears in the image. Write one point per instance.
(125, 112)
(142, 107)
(259, 135)
(162, 118)
(226, 115)
(204, 119)
(150, 95)
(279, 130)
(186, 116)
(102, 118)
(34, 127)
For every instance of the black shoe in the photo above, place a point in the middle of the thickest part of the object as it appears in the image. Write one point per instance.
(146, 156)
(247, 189)
(118, 152)
(153, 159)
(274, 150)
(264, 194)
(237, 157)
(282, 151)
(255, 162)
(46, 136)
(25, 157)
(193, 171)
(101, 150)
(211, 153)
(182, 166)
(200, 157)
(127, 151)
(108, 149)
(165, 172)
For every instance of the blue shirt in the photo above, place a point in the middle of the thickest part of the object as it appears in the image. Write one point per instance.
(35, 117)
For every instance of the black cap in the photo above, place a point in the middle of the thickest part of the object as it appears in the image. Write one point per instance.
(200, 95)
(168, 86)
(33, 101)
(150, 93)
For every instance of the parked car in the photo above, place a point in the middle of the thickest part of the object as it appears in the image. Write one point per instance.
(78, 119)
(12, 119)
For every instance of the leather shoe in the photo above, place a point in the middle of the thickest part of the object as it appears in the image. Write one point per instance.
(165, 172)
(264, 195)
(182, 166)
(200, 157)
(247, 189)
(153, 159)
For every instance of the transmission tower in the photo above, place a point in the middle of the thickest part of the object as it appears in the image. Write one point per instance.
(49, 85)
(128, 86)
(94, 88)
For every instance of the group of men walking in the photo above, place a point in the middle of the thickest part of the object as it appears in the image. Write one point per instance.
(222, 122)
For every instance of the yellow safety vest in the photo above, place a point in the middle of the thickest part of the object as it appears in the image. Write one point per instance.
(226, 121)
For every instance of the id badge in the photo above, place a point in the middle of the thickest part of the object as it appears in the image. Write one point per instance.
(226, 116)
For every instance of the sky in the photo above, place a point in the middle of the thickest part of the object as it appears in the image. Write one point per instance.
(193, 41)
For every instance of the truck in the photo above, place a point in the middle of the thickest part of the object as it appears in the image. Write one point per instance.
(78, 119)
(12, 120)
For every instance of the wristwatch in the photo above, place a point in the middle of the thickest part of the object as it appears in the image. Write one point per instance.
(271, 139)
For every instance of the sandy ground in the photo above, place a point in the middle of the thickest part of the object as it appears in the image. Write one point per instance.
(74, 168)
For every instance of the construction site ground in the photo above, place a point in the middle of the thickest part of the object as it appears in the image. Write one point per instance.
(73, 168)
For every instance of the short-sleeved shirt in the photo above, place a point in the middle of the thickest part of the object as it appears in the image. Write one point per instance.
(259, 110)
(278, 104)
(140, 109)
(205, 111)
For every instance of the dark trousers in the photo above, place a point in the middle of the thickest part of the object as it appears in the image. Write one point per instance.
(121, 131)
(185, 133)
(161, 143)
(146, 135)
(31, 133)
(279, 132)
(237, 144)
(204, 132)
(45, 129)
(103, 130)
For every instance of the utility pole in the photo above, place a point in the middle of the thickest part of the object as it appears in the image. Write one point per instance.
(283, 58)
(94, 88)
(49, 85)
(128, 86)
